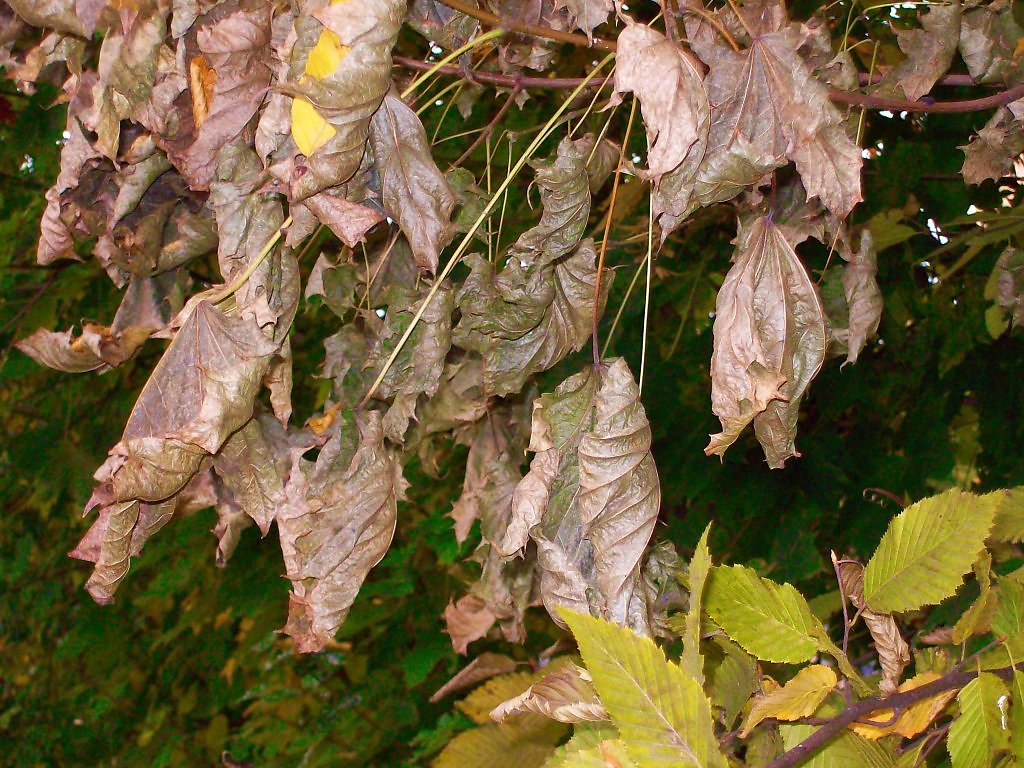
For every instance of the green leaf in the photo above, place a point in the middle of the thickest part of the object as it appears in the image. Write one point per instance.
(1009, 524)
(662, 714)
(700, 566)
(980, 731)
(848, 750)
(928, 548)
(1008, 621)
(1017, 715)
(771, 621)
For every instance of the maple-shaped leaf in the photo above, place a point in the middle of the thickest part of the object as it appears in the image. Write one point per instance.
(768, 107)
(988, 43)
(200, 392)
(591, 498)
(415, 192)
(991, 154)
(341, 70)
(668, 82)
(929, 51)
(770, 341)
(246, 466)
(336, 524)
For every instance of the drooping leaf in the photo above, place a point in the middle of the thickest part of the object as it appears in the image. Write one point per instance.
(566, 695)
(668, 82)
(769, 107)
(591, 498)
(863, 297)
(977, 619)
(467, 620)
(416, 194)
(800, 697)
(926, 551)
(1008, 618)
(929, 51)
(991, 154)
(980, 732)
(587, 14)
(484, 666)
(337, 523)
(770, 337)
(893, 651)
(246, 465)
(662, 714)
(771, 621)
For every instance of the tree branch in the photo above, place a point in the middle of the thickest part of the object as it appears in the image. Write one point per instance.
(851, 98)
(857, 710)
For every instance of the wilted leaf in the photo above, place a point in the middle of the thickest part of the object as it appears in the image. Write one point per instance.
(988, 43)
(246, 466)
(800, 697)
(466, 621)
(863, 297)
(769, 107)
(484, 666)
(980, 731)
(668, 82)
(336, 525)
(331, 109)
(662, 713)
(926, 551)
(587, 14)
(594, 484)
(991, 154)
(929, 51)
(416, 194)
(770, 337)
(566, 694)
(893, 651)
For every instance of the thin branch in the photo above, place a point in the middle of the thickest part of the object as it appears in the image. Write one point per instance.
(840, 97)
(857, 710)
(489, 128)
(497, 79)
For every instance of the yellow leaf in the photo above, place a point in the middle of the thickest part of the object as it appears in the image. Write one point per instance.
(201, 80)
(326, 56)
(914, 718)
(798, 698)
(309, 129)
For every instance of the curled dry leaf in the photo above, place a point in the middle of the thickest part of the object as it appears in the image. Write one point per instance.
(567, 694)
(597, 510)
(912, 720)
(484, 666)
(929, 51)
(988, 42)
(770, 337)
(668, 82)
(246, 467)
(467, 620)
(991, 154)
(415, 192)
(893, 651)
(587, 14)
(336, 524)
(341, 70)
(863, 298)
(768, 107)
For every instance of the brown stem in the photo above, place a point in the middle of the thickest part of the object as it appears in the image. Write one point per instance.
(857, 710)
(840, 97)
(489, 128)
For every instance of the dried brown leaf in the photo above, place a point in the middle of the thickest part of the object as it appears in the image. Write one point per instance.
(770, 338)
(929, 51)
(484, 666)
(467, 620)
(992, 153)
(863, 296)
(567, 695)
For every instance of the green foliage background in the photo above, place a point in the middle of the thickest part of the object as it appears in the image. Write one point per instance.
(187, 663)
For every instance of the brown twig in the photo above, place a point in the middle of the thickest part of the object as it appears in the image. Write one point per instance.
(857, 710)
(489, 128)
(851, 98)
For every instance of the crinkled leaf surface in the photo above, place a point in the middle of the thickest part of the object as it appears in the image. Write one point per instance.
(929, 51)
(416, 194)
(770, 337)
(565, 694)
(336, 524)
(991, 153)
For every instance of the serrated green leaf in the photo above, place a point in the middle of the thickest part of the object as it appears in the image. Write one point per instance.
(662, 714)
(1009, 524)
(848, 750)
(732, 678)
(700, 566)
(584, 736)
(1008, 621)
(771, 621)
(526, 744)
(981, 730)
(609, 752)
(1017, 715)
(926, 551)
